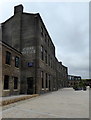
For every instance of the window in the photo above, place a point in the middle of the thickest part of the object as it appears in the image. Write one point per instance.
(30, 84)
(49, 82)
(48, 78)
(48, 41)
(45, 56)
(16, 61)
(53, 64)
(45, 38)
(30, 64)
(15, 82)
(8, 57)
(42, 31)
(49, 60)
(42, 53)
(46, 81)
(6, 82)
(42, 77)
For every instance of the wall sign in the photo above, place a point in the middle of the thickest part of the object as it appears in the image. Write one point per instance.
(28, 50)
(30, 64)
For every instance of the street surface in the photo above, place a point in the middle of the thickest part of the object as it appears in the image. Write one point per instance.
(65, 103)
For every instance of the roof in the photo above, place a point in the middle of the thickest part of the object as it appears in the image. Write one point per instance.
(6, 45)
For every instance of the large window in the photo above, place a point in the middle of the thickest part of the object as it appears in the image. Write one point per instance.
(15, 82)
(46, 80)
(6, 82)
(45, 38)
(49, 60)
(17, 61)
(42, 53)
(45, 56)
(49, 83)
(42, 31)
(48, 41)
(8, 57)
(42, 78)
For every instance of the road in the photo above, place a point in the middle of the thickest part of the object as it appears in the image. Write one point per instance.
(65, 103)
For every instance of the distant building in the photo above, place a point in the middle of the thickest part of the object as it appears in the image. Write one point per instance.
(87, 82)
(72, 80)
(28, 56)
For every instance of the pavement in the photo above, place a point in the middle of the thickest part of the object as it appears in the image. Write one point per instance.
(64, 103)
(12, 99)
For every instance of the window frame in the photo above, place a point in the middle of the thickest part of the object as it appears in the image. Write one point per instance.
(42, 52)
(8, 58)
(42, 78)
(46, 79)
(4, 84)
(17, 64)
(15, 83)
(46, 57)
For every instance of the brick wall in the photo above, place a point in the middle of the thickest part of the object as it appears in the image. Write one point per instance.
(10, 70)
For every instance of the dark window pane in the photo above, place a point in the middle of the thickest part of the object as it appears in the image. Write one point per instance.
(42, 53)
(42, 77)
(49, 60)
(42, 31)
(8, 57)
(16, 61)
(45, 56)
(15, 82)
(46, 81)
(6, 82)
(45, 38)
(30, 82)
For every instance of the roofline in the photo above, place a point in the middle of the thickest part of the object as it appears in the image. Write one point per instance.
(7, 20)
(5, 44)
(74, 75)
(46, 29)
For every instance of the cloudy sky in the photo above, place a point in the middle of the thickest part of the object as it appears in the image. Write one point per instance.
(68, 26)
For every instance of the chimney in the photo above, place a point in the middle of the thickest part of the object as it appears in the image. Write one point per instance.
(18, 9)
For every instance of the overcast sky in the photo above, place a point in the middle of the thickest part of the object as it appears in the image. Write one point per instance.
(68, 26)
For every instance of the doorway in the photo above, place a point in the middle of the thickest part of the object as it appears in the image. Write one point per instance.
(30, 85)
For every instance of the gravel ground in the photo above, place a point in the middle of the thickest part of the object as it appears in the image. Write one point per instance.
(65, 103)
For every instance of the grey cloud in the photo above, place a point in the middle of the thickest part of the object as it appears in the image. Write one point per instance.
(67, 24)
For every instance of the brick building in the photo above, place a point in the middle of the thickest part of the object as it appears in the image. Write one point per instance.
(10, 70)
(28, 44)
(72, 80)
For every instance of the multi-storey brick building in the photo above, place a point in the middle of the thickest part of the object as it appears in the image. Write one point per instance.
(72, 80)
(26, 39)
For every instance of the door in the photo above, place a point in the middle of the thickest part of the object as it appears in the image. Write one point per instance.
(30, 85)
